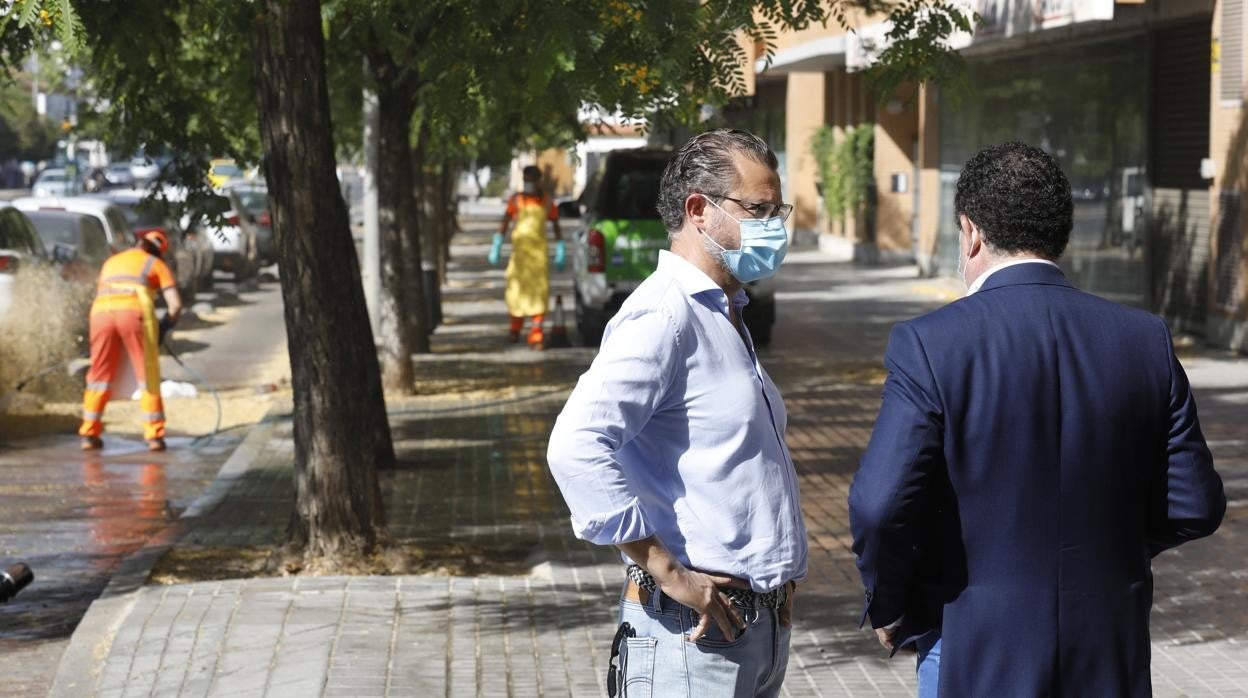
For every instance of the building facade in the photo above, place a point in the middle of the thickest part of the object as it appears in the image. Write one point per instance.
(1140, 102)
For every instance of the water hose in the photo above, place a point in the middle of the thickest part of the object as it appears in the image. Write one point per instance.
(203, 383)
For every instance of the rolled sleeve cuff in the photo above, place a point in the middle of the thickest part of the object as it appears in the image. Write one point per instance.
(624, 525)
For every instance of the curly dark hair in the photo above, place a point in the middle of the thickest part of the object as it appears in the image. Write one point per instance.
(704, 165)
(1018, 197)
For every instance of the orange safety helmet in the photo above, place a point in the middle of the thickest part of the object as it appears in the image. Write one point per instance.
(156, 237)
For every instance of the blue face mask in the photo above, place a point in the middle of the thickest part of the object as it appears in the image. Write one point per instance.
(763, 246)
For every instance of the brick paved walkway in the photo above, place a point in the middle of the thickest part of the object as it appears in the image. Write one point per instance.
(471, 472)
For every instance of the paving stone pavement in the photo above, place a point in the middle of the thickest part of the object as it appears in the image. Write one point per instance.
(471, 471)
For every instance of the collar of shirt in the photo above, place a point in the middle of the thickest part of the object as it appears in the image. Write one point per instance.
(984, 277)
(694, 281)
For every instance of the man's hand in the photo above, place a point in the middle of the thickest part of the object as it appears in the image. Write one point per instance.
(700, 592)
(888, 638)
(694, 589)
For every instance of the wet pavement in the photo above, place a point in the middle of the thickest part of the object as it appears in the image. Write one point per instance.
(73, 516)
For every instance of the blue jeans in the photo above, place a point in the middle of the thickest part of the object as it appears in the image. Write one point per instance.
(928, 664)
(660, 662)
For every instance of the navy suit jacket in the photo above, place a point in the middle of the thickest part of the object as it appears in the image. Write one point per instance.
(1036, 446)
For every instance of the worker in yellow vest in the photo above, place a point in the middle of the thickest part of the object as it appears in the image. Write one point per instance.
(123, 317)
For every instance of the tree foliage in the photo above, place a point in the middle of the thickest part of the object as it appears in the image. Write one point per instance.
(24, 134)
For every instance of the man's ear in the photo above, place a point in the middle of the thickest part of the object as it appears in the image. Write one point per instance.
(974, 238)
(695, 210)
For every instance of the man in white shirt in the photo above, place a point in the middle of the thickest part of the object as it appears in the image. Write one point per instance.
(672, 447)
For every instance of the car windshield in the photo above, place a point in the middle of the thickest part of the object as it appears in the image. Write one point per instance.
(143, 214)
(226, 170)
(254, 200)
(84, 233)
(58, 176)
(630, 190)
(56, 227)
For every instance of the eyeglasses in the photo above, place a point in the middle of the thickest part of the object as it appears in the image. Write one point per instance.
(760, 210)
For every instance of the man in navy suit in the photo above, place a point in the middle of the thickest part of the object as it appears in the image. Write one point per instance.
(1036, 447)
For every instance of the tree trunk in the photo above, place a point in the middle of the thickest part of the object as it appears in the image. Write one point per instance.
(402, 302)
(417, 238)
(340, 429)
(449, 207)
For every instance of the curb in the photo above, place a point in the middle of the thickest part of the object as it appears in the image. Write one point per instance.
(78, 672)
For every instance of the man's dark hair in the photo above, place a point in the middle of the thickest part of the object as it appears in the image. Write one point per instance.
(1018, 197)
(704, 165)
(531, 173)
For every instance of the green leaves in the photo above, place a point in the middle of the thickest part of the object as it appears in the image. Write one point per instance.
(845, 165)
(917, 48)
(49, 18)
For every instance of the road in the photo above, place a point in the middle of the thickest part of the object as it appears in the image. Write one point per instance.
(74, 516)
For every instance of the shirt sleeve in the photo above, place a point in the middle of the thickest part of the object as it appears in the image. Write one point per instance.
(553, 212)
(161, 277)
(512, 207)
(616, 397)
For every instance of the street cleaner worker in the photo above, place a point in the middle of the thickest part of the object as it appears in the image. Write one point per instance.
(528, 278)
(124, 317)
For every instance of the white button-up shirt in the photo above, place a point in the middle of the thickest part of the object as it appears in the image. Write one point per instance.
(677, 431)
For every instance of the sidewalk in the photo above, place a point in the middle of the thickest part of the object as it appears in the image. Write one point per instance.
(535, 615)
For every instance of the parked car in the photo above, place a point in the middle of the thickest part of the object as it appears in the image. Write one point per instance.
(234, 247)
(617, 245)
(222, 171)
(190, 254)
(76, 242)
(252, 203)
(54, 181)
(144, 169)
(111, 217)
(119, 175)
(19, 245)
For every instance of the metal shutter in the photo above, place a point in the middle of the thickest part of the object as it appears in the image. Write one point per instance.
(1181, 105)
(1231, 48)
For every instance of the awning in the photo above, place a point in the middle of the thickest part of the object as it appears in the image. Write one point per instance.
(815, 56)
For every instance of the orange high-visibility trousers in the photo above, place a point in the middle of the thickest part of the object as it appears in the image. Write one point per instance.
(536, 336)
(111, 332)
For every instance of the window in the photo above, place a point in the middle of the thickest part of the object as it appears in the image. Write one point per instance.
(631, 188)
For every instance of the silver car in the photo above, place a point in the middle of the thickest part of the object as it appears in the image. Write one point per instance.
(54, 181)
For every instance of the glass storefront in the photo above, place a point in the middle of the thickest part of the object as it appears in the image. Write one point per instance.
(1088, 107)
